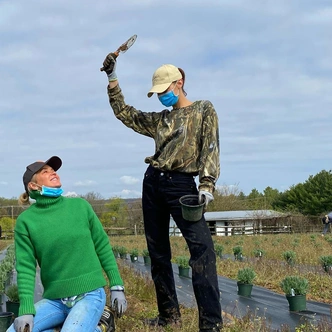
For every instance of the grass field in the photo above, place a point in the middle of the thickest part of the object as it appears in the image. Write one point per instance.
(270, 269)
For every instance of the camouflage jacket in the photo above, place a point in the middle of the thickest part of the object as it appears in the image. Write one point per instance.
(186, 139)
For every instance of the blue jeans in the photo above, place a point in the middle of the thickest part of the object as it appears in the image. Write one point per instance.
(83, 316)
(326, 228)
(161, 193)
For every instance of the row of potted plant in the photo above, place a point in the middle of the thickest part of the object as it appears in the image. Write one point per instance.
(294, 287)
(7, 288)
(289, 256)
(6, 267)
(121, 251)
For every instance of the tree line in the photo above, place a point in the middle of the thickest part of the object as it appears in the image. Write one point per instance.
(313, 197)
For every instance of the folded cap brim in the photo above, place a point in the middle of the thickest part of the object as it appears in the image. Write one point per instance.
(159, 88)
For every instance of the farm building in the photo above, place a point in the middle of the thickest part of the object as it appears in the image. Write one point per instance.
(248, 222)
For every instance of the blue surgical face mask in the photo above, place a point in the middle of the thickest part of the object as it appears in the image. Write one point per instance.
(169, 98)
(51, 192)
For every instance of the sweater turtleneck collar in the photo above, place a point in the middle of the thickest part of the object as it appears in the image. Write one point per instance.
(44, 201)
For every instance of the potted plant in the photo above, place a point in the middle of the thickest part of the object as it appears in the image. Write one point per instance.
(326, 262)
(133, 255)
(122, 252)
(146, 257)
(218, 248)
(295, 289)
(290, 257)
(245, 279)
(183, 265)
(115, 249)
(258, 253)
(238, 254)
(13, 300)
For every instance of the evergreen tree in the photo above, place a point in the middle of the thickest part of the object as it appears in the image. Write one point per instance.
(313, 197)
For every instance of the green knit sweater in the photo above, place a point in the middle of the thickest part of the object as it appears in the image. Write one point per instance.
(65, 237)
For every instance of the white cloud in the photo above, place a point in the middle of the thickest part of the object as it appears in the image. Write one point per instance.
(130, 193)
(129, 180)
(264, 65)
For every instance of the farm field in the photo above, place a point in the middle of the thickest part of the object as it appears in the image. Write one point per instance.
(271, 268)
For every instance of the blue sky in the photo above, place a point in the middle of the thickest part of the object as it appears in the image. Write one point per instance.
(264, 64)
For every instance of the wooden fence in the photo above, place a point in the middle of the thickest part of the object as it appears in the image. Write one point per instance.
(230, 231)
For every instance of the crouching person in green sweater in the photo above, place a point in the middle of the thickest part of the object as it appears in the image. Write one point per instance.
(66, 239)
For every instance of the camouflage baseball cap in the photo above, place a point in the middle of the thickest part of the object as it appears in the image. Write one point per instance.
(163, 77)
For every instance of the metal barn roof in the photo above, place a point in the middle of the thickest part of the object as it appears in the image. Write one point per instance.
(241, 215)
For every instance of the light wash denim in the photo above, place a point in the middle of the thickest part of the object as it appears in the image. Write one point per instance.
(83, 316)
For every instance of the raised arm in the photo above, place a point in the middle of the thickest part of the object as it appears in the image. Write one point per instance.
(109, 65)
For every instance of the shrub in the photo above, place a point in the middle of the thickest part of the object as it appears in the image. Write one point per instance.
(145, 253)
(12, 293)
(115, 248)
(326, 260)
(182, 261)
(246, 275)
(134, 252)
(294, 285)
(237, 250)
(218, 248)
(238, 254)
(6, 223)
(289, 256)
(122, 250)
(258, 252)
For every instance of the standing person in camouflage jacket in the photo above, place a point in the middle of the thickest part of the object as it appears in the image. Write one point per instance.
(187, 145)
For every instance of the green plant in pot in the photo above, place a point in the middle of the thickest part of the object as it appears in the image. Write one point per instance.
(122, 252)
(13, 300)
(295, 289)
(133, 255)
(183, 265)
(146, 257)
(115, 249)
(289, 257)
(326, 262)
(259, 253)
(238, 253)
(218, 248)
(245, 278)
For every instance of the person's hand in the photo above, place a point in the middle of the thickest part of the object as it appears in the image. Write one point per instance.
(206, 196)
(118, 302)
(21, 322)
(109, 65)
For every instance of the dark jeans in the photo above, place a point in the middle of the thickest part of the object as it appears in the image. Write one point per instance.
(161, 193)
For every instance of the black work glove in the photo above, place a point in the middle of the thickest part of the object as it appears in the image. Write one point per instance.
(109, 66)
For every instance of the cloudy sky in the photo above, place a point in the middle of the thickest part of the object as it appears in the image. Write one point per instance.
(264, 64)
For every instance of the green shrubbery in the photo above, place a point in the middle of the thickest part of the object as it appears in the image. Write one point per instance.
(246, 275)
(294, 285)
